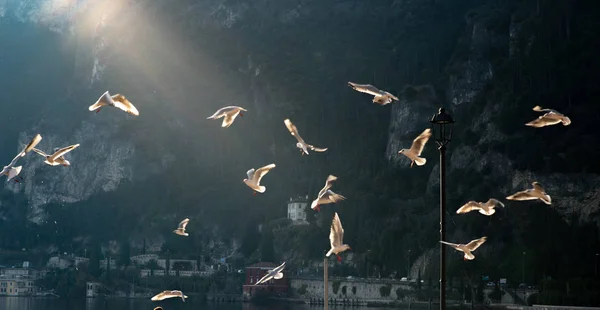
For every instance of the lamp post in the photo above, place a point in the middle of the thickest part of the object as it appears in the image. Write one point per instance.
(441, 124)
(408, 265)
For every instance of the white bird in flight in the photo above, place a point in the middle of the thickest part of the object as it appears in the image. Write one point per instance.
(417, 148)
(118, 101)
(275, 273)
(229, 114)
(551, 117)
(303, 146)
(58, 157)
(467, 248)
(485, 208)
(326, 196)
(181, 229)
(336, 238)
(254, 177)
(10, 171)
(380, 97)
(537, 192)
(169, 294)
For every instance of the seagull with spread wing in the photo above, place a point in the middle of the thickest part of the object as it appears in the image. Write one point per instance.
(58, 157)
(485, 208)
(229, 114)
(275, 273)
(336, 238)
(169, 294)
(254, 177)
(417, 148)
(118, 101)
(181, 229)
(10, 171)
(551, 117)
(303, 146)
(537, 192)
(326, 196)
(467, 248)
(380, 97)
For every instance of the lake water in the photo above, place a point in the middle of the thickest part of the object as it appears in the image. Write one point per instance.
(21, 303)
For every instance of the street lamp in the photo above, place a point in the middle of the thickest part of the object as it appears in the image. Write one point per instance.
(408, 265)
(441, 124)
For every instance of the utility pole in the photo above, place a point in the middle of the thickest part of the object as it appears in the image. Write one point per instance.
(326, 282)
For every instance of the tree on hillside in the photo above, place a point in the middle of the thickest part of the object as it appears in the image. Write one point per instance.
(267, 252)
(125, 254)
(250, 240)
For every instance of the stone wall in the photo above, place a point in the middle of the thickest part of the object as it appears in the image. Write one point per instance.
(364, 289)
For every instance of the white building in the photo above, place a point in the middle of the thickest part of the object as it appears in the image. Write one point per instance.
(297, 210)
(104, 262)
(143, 259)
(92, 289)
(18, 281)
(60, 262)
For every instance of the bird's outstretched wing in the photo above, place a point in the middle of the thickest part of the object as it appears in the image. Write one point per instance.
(328, 185)
(336, 233)
(265, 278)
(366, 88)
(494, 202)
(122, 103)
(420, 141)
(473, 245)
(63, 151)
(522, 195)
(468, 207)
(261, 172)
(104, 100)
(184, 223)
(33, 143)
(40, 152)
(454, 245)
(316, 149)
(293, 130)
(543, 121)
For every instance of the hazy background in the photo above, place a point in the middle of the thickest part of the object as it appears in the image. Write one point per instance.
(134, 178)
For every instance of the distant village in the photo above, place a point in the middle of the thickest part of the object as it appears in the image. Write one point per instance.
(20, 280)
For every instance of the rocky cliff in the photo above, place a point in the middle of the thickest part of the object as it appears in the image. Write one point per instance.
(487, 63)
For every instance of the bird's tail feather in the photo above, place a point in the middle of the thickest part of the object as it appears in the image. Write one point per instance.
(261, 189)
(420, 161)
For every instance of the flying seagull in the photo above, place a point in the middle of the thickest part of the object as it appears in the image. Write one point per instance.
(275, 273)
(10, 171)
(485, 208)
(118, 101)
(467, 248)
(381, 97)
(416, 148)
(303, 146)
(169, 294)
(58, 157)
(181, 229)
(551, 117)
(326, 196)
(537, 192)
(336, 238)
(254, 177)
(229, 114)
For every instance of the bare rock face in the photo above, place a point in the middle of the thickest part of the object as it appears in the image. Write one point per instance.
(100, 163)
